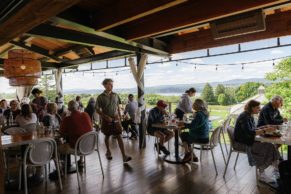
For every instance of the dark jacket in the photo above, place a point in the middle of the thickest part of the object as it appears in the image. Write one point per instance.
(245, 129)
(199, 128)
(155, 117)
(269, 116)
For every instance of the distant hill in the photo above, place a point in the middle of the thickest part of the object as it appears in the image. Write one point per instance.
(179, 88)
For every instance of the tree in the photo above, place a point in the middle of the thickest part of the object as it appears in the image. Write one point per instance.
(208, 95)
(246, 91)
(48, 86)
(281, 74)
(220, 89)
(222, 99)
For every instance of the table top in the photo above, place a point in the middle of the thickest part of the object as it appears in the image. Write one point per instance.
(22, 139)
(285, 139)
(166, 126)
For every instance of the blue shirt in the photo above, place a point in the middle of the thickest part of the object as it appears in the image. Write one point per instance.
(155, 117)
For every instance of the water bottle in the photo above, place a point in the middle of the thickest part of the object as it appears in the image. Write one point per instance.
(10, 120)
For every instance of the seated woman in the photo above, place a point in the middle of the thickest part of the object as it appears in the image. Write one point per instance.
(260, 154)
(156, 116)
(26, 116)
(198, 130)
(51, 118)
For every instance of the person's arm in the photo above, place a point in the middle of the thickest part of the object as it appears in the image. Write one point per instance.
(99, 110)
(188, 105)
(118, 107)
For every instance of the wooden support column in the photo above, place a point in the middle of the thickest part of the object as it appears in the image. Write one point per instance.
(141, 103)
(2, 170)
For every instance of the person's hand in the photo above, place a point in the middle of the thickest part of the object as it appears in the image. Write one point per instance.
(270, 129)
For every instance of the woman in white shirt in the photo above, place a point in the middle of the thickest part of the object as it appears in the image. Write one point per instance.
(51, 118)
(26, 116)
(185, 104)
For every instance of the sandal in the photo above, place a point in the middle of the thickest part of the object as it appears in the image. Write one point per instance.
(108, 156)
(126, 159)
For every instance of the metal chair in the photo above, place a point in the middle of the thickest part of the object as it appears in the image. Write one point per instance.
(234, 147)
(213, 142)
(39, 153)
(85, 145)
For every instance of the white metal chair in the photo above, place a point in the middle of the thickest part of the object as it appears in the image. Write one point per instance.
(234, 147)
(85, 145)
(39, 153)
(213, 142)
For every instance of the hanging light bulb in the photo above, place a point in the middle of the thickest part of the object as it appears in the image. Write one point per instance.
(116, 73)
(273, 62)
(195, 67)
(177, 64)
(93, 74)
(242, 66)
(216, 67)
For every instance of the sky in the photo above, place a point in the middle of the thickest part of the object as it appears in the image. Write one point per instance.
(171, 74)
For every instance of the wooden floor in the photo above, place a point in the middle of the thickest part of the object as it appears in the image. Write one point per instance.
(147, 173)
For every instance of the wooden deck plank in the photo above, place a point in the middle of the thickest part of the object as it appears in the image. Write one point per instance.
(147, 173)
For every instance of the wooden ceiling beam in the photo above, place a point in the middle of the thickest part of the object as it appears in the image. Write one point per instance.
(37, 50)
(33, 13)
(72, 19)
(98, 57)
(187, 14)
(127, 11)
(277, 25)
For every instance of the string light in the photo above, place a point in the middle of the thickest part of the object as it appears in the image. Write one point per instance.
(195, 67)
(216, 67)
(273, 62)
(242, 66)
(177, 64)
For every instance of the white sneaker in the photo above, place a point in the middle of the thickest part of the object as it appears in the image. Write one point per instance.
(276, 174)
(264, 178)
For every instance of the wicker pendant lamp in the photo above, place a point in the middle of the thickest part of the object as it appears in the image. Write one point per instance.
(22, 68)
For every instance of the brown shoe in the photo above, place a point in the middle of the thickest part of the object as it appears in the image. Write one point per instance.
(187, 157)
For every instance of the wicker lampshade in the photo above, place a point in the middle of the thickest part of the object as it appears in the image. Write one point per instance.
(22, 68)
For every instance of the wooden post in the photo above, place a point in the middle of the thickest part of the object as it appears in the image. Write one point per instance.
(2, 169)
(140, 94)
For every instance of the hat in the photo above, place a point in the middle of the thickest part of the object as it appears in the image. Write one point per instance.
(162, 103)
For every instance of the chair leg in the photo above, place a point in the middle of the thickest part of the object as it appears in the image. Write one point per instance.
(85, 164)
(213, 161)
(20, 178)
(236, 160)
(230, 152)
(57, 164)
(224, 142)
(201, 148)
(25, 179)
(222, 153)
(45, 174)
(77, 169)
(100, 162)
(66, 160)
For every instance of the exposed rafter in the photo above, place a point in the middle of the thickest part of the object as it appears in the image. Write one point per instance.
(33, 13)
(75, 22)
(37, 49)
(187, 14)
(99, 57)
(102, 21)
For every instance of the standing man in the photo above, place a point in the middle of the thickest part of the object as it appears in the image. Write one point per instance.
(270, 114)
(107, 106)
(129, 116)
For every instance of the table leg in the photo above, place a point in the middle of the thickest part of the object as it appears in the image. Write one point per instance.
(289, 153)
(70, 167)
(176, 158)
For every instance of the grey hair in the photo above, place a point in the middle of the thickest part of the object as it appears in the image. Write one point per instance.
(276, 98)
(73, 105)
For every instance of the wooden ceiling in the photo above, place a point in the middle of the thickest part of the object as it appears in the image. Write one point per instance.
(66, 33)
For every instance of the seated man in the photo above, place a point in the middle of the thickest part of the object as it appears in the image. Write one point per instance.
(130, 109)
(13, 111)
(270, 114)
(73, 127)
(156, 116)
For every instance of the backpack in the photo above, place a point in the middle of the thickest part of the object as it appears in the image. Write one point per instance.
(284, 181)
